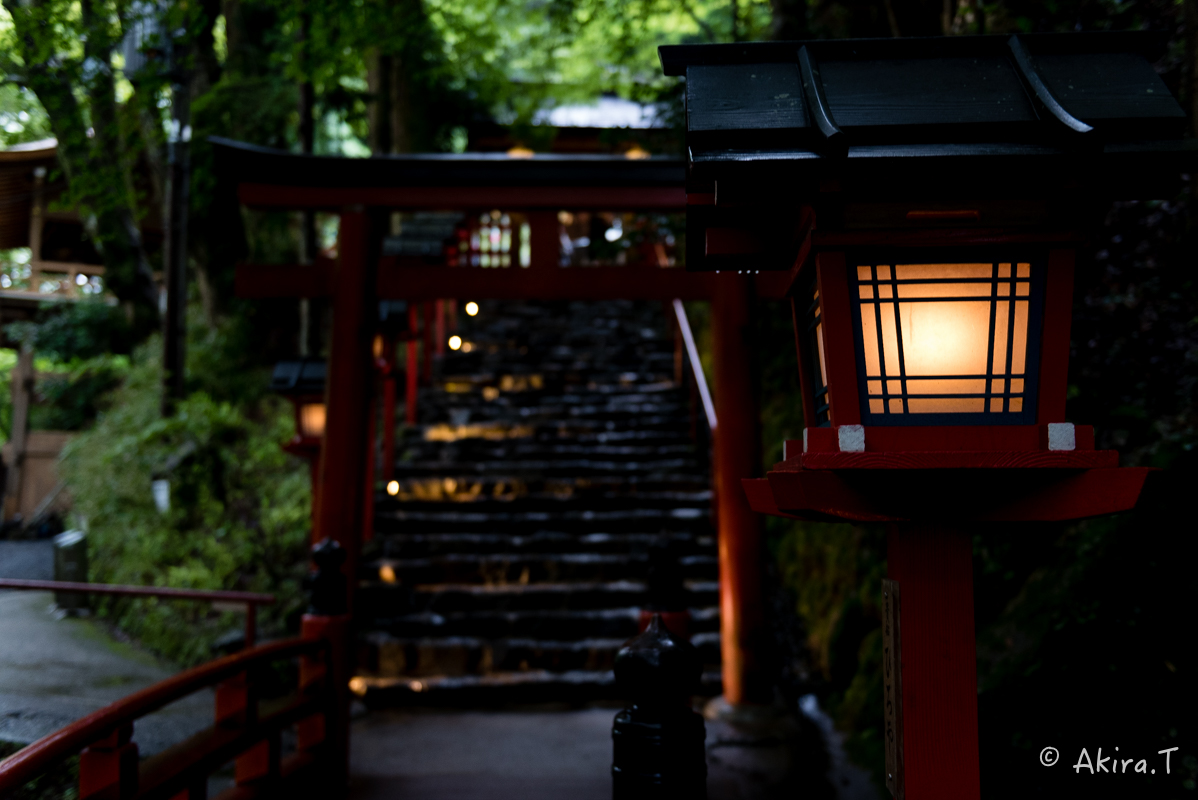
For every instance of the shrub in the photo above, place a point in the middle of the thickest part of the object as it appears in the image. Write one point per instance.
(239, 511)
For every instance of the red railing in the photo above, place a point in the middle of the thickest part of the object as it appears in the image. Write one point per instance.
(251, 600)
(247, 731)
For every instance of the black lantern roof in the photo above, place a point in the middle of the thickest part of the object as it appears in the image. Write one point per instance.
(934, 116)
(303, 376)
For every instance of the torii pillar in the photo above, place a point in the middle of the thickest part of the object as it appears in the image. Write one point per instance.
(738, 455)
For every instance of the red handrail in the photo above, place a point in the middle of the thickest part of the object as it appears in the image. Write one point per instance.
(251, 599)
(32, 761)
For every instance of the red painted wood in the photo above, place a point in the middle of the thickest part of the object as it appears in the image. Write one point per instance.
(1054, 347)
(937, 237)
(806, 389)
(260, 762)
(258, 281)
(426, 352)
(233, 702)
(761, 497)
(737, 455)
(439, 336)
(368, 468)
(389, 401)
(347, 392)
(109, 771)
(964, 459)
(545, 241)
(96, 729)
(411, 368)
(982, 438)
(467, 198)
(839, 354)
(551, 283)
(934, 569)
(982, 495)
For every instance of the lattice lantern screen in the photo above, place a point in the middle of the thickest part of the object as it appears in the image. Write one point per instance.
(947, 343)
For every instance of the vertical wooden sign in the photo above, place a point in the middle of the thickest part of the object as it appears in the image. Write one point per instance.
(892, 687)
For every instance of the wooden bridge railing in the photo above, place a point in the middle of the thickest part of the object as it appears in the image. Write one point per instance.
(247, 730)
(251, 600)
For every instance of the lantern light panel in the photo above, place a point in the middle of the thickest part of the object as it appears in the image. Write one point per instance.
(950, 342)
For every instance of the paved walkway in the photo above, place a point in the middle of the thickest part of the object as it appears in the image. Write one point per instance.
(54, 671)
(426, 754)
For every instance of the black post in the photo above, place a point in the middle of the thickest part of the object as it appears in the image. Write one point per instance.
(658, 741)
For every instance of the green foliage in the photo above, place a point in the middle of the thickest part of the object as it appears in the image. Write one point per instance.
(22, 118)
(14, 268)
(8, 360)
(70, 399)
(61, 783)
(239, 515)
(73, 331)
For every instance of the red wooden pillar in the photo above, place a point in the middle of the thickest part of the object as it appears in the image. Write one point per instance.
(348, 391)
(738, 455)
(938, 686)
(108, 767)
(426, 364)
(411, 368)
(388, 415)
(371, 458)
(440, 334)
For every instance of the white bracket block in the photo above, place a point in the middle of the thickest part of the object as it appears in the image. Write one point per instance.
(1061, 436)
(851, 438)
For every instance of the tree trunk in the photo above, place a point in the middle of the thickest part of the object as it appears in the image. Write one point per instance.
(378, 83)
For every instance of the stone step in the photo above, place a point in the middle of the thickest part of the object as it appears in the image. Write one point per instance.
(482, 449)
(558, 431)
(414, 545)
(385, 656)
(527, 569)
(448, 487)
(556, 625)
(500, 689)
(459, 519)
(642, 416)
(382, 600)
(510, 498)
(656, 469)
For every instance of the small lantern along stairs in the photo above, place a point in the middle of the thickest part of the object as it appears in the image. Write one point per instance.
(929, 199)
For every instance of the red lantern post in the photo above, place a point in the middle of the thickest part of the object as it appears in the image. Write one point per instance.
(927, 200)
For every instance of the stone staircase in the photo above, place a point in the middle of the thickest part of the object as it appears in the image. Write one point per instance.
(554, 452)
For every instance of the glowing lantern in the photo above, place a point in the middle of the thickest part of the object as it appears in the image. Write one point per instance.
(926, 199)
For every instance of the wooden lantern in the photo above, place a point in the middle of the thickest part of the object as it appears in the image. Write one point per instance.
(928, 198)
(302, 381)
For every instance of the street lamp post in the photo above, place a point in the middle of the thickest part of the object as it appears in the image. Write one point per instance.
(929, 199)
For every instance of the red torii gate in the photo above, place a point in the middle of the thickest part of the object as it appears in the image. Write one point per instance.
(361, 191)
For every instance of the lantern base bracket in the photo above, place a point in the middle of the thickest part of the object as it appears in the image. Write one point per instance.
(945, 493)
(954, 459)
